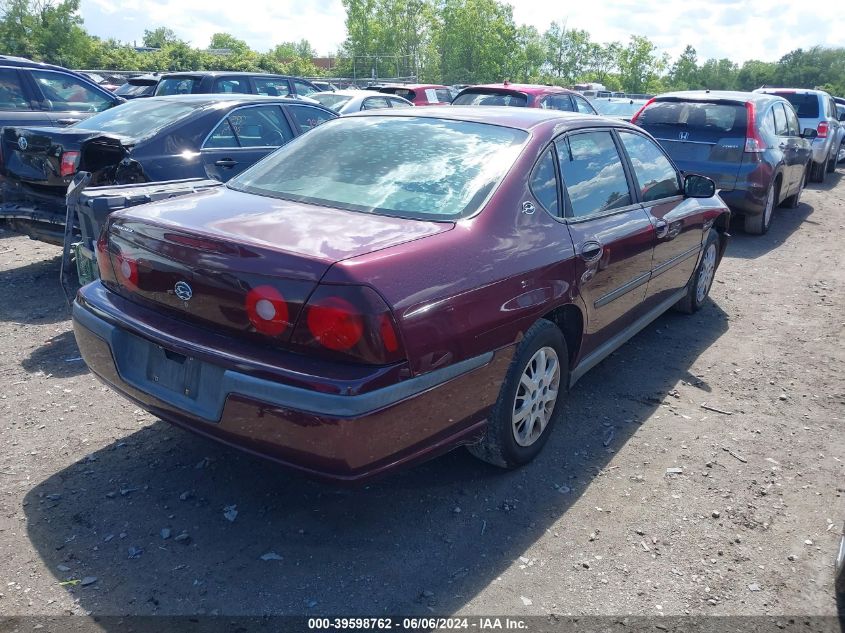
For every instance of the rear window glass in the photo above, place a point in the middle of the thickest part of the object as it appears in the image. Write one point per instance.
(135, 90)
(177, 86)
(418, 168)
(806, 105)
(139, 118)
(726, 119)
(405, 93)
(488, 98)
(331, 100)
(617, 108)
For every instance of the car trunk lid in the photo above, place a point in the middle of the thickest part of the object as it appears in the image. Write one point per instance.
(222, 244)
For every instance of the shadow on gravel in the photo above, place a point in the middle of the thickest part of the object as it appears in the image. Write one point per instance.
(34, 292)
(784, 223)
(59, 356)
(830, 182)
(422, 541)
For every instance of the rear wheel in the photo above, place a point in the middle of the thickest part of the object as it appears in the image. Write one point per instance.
(795, 199)
(702, 279)
(817, 172)
(831, 163)
(529, 399)
(759, 223)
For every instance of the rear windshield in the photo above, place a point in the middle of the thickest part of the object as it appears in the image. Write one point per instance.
(711, 118)
(405, 93)
(418, 168)
(617, 108)
(331, 100)
(138, 118)
(177, 86)
(135, 90)
(806, 105)
(489, 98)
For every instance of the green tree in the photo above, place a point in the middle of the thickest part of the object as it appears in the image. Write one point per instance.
(568, 52)
(755, 74)
(640, 64)
(718, 74)
(293, 50)
(684, 72)
(160, 37)
(228, 41)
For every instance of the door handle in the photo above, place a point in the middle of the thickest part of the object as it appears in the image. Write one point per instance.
(68, 121)
(661, 228)
(226, 162)
(591, 251)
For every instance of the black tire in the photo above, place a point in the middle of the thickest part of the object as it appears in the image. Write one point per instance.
(693, 300)
(831, 163)
(499, 445)
(840, 566)
(817, 172)
(758, 224)
(794, 200)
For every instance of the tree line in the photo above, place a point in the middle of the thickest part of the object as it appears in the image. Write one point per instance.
(441, 41)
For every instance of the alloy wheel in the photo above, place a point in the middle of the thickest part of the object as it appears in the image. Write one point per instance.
(536, 396)
(706, 273)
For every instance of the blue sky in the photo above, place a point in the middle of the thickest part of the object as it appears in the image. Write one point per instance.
(737, 29)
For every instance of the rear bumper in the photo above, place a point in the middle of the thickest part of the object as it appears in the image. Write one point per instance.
(748, 201)
(821, 148)
(327, 435)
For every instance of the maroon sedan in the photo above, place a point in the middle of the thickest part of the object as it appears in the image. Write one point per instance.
(524, 96)
(394, 284)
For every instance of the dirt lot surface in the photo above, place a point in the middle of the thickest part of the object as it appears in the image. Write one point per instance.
(154, 520)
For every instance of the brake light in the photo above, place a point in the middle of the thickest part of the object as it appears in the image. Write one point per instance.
(267, 310)
(351, 322)
(823, 129)
(753, 143)
(103, 261)
(127, 270)
(640, 111)
(69, 163)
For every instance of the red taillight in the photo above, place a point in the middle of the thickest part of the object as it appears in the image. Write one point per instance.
(267, 310)
(127, 270)
(335, 323)
(69, 163)
(753, 143)
(640, 111)
(103, 261)
(351, 322)
(823, 129)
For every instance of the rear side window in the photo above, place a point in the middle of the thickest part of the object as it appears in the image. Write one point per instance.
(398, 103)
(710, 119)
(443, 95)
(275, 87)
(375, 103)
(11, 92)
(792, 123)
(780, 120)
(806, 105)
(67, 94)
(303, 89)
(544, 183)
(177, 86)
(231, 85)
(307, 117)
(492, 99)
(592, 173)
(655, 175)
(557, 102)
(583, 106)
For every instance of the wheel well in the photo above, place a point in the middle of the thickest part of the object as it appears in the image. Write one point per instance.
(721, 225)
(571, 322)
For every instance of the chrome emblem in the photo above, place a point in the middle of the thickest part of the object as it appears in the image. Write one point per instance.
(23, 143)
(683, 136)
(528, 208)
(183, 291)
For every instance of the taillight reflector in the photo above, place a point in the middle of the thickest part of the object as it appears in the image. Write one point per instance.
(823, 129)
(267, 310)
(335, 323)
(69, 163)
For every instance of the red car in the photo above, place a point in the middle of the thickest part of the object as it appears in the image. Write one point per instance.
(525, 96)
(418, 94)
(397, 283)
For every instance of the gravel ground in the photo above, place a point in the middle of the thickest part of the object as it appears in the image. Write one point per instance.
(643, 502)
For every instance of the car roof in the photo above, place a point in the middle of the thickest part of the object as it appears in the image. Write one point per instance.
(506, 116)
(705, 96)
(215, 97)
(410, 86)
(802, 91)
(531, 89)
(350, 93)
(219, 73)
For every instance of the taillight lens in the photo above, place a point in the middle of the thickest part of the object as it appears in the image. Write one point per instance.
(69, 163)
(349, 322)
(127, 270)
(823, 129)
(753, 142)
(267, 310)
(640, 111)
(103, 261)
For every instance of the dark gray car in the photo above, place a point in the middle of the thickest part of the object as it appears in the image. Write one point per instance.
(750, 144)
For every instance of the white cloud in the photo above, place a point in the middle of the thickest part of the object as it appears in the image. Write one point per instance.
(737, 29)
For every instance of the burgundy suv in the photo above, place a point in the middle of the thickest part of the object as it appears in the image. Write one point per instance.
(397, 283)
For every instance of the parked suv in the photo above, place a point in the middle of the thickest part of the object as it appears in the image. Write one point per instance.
(750, 144)
(32, 93)
(816, 109)
(206, 82)
(524, 96)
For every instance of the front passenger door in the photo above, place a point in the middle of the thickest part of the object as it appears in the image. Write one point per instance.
(612, 234)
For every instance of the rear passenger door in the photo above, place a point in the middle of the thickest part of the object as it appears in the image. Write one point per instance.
(18, 106)
(242, 138)
(612, 234)
(306, 117)
(789, 146)
(677, 222)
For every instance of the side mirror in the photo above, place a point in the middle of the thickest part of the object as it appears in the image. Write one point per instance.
(696, 186)
(809, 133)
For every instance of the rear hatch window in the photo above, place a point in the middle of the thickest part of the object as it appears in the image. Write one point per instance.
(491, 98)
(405, 93)
(177, 86)
(135, 90)
(806, 105)
(707, 138)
